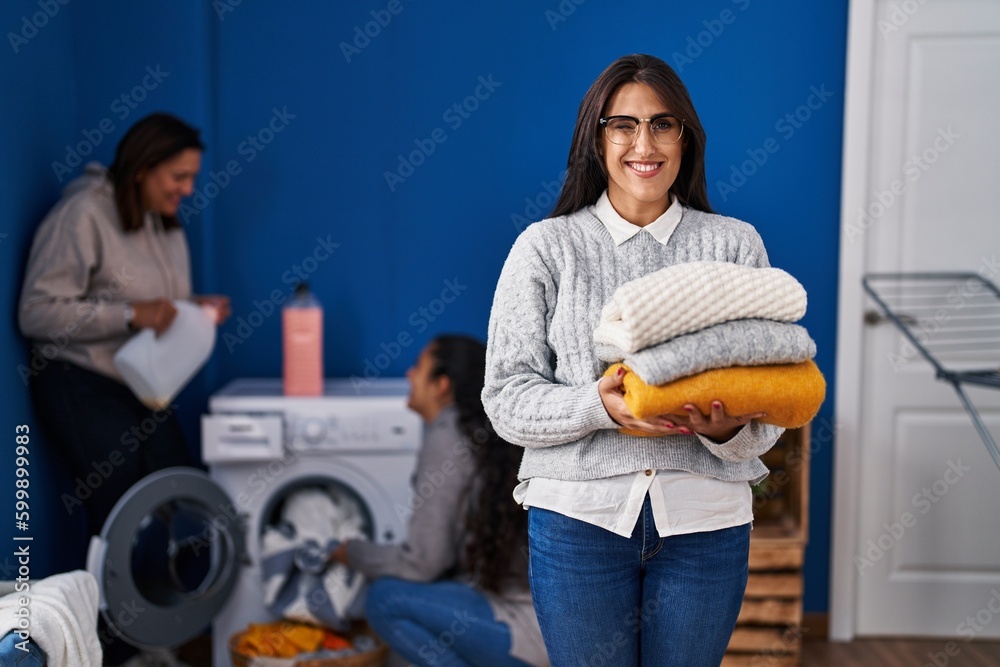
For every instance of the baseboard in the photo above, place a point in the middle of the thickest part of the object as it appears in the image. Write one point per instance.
(815, 626)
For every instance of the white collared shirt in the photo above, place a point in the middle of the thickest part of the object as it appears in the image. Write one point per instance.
(682, 502)
(622, 230)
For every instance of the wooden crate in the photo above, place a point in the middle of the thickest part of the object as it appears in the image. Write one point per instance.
(769, 628)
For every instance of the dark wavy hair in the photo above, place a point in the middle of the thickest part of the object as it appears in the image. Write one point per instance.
(151, 141)
(496, 527)
(587, 176)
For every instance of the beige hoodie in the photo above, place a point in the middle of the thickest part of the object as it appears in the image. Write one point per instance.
(83, 268)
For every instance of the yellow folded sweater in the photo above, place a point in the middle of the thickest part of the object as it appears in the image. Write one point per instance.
(790, 394)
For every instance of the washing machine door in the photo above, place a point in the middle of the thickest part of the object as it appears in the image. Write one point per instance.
(167, 558)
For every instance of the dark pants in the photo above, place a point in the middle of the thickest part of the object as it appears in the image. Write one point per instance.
(106, 437)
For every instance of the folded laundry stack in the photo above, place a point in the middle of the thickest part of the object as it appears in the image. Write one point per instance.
(703, 331)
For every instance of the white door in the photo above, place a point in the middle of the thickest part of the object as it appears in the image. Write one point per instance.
(924, 556)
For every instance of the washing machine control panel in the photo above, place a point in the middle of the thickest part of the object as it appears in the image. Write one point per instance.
(323, 432)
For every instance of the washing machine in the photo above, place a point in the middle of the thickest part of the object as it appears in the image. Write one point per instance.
(181, 549)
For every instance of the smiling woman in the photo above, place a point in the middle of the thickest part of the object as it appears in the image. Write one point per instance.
(642, 165)
(638, 545)
(109, 259)
(162, 187)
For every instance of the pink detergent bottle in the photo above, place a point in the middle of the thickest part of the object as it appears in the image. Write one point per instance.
(302, 338)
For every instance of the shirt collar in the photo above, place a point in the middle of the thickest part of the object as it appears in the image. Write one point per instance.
(622, 230)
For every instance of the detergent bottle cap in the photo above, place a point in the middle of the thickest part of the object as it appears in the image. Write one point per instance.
(303, 297)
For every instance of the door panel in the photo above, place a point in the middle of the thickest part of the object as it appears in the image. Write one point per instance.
(928, 536)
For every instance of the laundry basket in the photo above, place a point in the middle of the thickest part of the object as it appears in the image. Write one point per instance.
(373, 658)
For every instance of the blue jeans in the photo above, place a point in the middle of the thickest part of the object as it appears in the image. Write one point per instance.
(440, 623)
(12, 656)
(603, 599)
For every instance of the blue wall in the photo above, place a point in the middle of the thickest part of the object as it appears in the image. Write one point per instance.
(305, 114)
(37, 116)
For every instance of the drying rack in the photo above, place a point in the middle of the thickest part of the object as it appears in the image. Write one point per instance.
(949, 318)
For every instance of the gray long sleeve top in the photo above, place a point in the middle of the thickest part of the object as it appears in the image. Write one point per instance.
(542, 367)
(435, 538)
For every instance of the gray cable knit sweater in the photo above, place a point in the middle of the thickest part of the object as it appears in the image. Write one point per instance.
(542, 367)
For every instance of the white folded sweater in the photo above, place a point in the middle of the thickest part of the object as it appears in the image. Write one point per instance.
(690, 296)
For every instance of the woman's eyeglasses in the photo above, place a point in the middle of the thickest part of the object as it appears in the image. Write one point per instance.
(623, 130)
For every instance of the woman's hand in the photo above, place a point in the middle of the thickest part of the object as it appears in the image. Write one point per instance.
(218, 301)
(157, 314)
(613, 397)
(717, 425)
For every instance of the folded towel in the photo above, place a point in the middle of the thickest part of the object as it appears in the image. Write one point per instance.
(750, 342)
(687, 297)
(63, 617)
(790, 394)
(299, 583)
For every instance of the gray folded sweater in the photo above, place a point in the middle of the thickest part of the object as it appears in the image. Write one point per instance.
(748, 342)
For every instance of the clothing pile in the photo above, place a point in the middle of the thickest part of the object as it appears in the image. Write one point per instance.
(299, 581)
(703, 331)
(62, 610)
(285, 639)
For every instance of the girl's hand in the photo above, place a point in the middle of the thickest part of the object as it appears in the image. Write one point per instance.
(613, 397)
(339, 555)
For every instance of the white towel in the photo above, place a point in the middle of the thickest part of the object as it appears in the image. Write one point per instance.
(687, 297)
(63, 618)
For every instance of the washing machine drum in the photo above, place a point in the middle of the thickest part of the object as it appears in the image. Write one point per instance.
(167, 558)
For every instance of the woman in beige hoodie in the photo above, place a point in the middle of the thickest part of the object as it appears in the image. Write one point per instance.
(108, 260)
